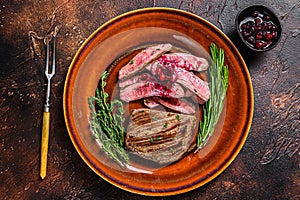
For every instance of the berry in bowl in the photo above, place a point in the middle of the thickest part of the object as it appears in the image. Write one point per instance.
(258, 27)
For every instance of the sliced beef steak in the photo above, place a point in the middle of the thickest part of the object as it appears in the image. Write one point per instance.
(159, 136)
(150, 103)
(142, 59)
(188, 79)
(184, 60)
(146, 89)
(180, 105)
(135, 79)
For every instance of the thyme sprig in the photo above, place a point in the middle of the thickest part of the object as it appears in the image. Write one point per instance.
(212, 109)
(106, 123)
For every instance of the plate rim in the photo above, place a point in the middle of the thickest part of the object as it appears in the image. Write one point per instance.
(228, 159)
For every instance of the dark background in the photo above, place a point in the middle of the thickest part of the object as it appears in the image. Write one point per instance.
(267, 166)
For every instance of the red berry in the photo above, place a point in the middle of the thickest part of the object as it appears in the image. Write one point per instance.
(257, 20)
(268, 36)
(269, 26)
(244, 26)
(245, 34)
(274, 28)
(255, 14)
(258, 27)
(259, 35)
(260, 44)
(274, 34)
(251, 40)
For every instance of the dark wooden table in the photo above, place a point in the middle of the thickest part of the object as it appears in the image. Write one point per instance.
(267, 166)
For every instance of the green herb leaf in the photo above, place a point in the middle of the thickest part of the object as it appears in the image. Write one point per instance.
(212, 109)
(165, 124)
(151, 140)
(106, 122)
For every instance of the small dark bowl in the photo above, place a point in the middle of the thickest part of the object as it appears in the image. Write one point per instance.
(246, 13)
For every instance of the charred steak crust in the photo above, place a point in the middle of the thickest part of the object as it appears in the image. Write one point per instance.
(159, 136)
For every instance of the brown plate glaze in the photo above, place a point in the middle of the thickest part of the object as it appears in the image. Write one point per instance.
(111, 43)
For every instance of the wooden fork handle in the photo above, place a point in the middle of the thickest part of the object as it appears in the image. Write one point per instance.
(45, 141)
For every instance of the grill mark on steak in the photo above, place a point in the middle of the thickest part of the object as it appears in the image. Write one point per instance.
(142, 59)
(154, 147)
(147, 142)
(184, 60)
(159, 136)
(155, 128)
(146, 89)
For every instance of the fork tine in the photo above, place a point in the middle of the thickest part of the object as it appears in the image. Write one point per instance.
(47, 59)
(53, 57)
(49, 75)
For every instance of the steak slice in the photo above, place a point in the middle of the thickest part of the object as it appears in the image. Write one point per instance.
(184, 60)
(194, 97)
(180, 105)
(159, 136)
(142, 59)
(137, 78)
(188, 79)
(146, 89)
(150, 103)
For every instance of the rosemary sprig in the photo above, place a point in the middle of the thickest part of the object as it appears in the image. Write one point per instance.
(212, 109)
(106, 123)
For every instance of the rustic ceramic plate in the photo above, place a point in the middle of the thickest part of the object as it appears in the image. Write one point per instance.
(134, 30)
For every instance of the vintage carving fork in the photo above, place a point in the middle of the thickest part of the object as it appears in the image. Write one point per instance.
(46, 113)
